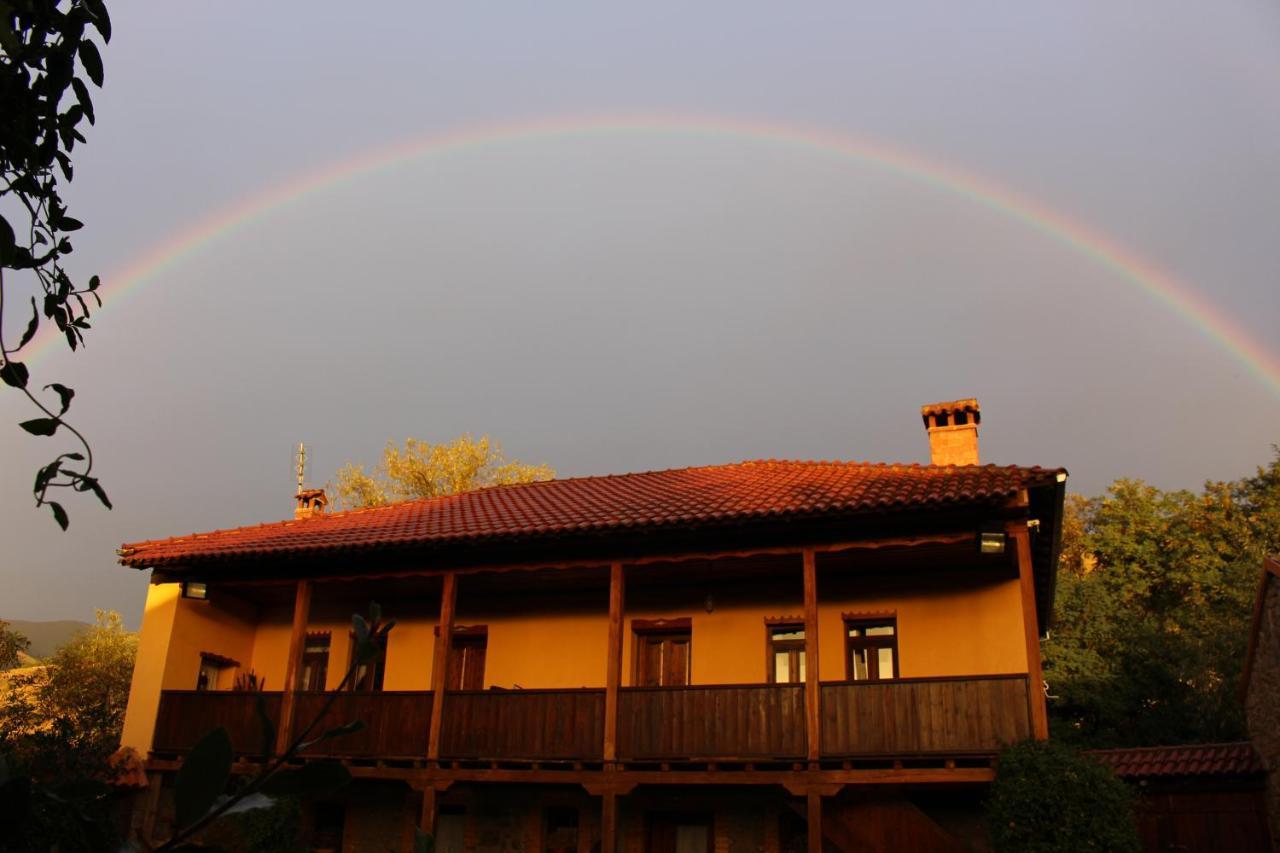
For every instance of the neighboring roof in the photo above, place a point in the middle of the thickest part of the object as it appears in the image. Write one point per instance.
(1270, 572)
(686, 497)
(1196, 759)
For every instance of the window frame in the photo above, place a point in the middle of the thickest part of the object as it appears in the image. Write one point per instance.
(641, 629)
(778, 625)
(864, 621)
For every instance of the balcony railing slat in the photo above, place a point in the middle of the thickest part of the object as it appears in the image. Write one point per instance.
(523, 724)
(185, 716)
(761, 721)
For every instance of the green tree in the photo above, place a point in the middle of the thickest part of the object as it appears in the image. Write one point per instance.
(1047, 798)
(1154, 598)
(43, 102)
(424, 470)
(64, 718)
(11, 642)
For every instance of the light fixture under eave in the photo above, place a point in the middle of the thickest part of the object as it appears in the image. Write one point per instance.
(195, 590)
(991, 542)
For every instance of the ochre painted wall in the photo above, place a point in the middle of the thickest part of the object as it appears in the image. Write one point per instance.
(149, 666)
(224, 626)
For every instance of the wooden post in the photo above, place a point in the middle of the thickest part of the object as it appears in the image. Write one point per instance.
(815, 822)
(613, 669)
(444, 639)
(812, 692)
(609, 822)
(428, 821)
(1020, 538)
(293, 664)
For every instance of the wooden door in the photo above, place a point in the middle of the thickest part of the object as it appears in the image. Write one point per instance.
(679, 833)
(662, 658)
(466, 662)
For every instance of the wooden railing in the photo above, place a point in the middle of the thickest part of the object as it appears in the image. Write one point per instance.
(395, 723)
(911, 716)
(523, 724)
(185, 716)
(728, 721)
(749, 722)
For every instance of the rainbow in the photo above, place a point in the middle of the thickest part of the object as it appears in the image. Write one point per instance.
(1052, 224)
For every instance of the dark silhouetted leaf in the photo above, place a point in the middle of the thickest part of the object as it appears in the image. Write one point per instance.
(64, 394)
(31, 326)
(82, 98)
(91, 484)
(8, 242)
(202, 777)
(40, 426)
(59, 514)
(92, 61)
(267, 727)
(318, 778)
(14, 374)
(95, 283)
(66, 223)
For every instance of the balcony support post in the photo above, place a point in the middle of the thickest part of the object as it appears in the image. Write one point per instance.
(428, 820)
(812, 692)
(613, 670)
(444, 639)
(609, 822)
(293, 664)
(1020, 538)
(815, 821)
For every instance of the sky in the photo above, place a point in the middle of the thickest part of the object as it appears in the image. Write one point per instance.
(644, 288)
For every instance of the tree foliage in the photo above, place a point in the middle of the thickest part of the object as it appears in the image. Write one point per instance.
(43, 102)
(1047, 798)
(11, 642)
(1155, 591)
(64, 718)
(424, 470)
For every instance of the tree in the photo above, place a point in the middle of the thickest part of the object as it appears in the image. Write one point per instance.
(1049, 799)
(40, 43)
(11, 642)
(65, 717)
(424, 470)
(1154, 598)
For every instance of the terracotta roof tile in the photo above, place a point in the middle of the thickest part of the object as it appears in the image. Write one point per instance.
(1197, 759)
(684, 497)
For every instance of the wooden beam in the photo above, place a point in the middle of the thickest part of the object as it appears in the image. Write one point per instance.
(812, 687)
(609, 822)
(815, 822)
(444, 639)
(613, 668)
(293, 664)
(1020, 537)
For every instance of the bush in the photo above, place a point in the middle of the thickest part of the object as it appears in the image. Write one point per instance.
(1048, 798)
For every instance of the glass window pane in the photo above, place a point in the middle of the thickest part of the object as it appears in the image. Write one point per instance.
(855, 632)
(880, 631)
(859, 664)
(886, 663)
(800, 667)
(781, 667)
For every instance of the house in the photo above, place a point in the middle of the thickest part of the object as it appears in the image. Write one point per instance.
(759, 655)
(1261, 685)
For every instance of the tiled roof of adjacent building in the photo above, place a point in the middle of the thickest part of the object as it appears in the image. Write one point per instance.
(1197, 759)
(687, 497)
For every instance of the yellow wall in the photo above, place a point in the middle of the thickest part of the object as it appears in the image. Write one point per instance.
(148, 667)
(224, 626)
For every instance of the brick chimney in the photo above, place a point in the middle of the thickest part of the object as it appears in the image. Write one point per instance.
(953, 431)
(311, 503)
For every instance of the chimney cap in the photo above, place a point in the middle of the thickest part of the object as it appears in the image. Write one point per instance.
(969, 404)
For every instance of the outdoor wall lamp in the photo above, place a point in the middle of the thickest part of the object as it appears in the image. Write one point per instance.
(196, 590)
(991, 542)
(710, 603)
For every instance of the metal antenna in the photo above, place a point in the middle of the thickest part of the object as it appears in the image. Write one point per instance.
(302, 464)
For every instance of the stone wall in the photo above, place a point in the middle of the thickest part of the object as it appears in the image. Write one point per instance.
(1263, 699)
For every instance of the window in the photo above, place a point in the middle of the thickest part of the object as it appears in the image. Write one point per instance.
(871, 648)
(215, 672)
(662, 652)
(315, 661)
(465, 668)
(369, 674)
(786, 653)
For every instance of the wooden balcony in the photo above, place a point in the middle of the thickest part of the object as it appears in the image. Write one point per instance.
(903, 718)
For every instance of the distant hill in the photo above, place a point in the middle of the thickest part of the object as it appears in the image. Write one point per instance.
(46, 637)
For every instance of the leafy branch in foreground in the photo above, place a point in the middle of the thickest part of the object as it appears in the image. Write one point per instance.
(40, 43)
(199, 792)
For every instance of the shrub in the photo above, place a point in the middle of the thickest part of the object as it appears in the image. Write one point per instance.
(1048, 798)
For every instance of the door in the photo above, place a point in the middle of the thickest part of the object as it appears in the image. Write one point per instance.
(662, 658)
(466, 661)
(679, 833)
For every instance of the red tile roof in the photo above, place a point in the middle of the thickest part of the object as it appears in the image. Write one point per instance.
(721, 494)
(1197, 759)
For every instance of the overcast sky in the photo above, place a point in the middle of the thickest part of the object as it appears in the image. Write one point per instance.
(653, 298)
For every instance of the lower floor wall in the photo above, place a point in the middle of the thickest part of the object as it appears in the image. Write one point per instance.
(381, 816)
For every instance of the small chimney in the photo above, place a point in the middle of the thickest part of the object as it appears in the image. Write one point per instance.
(311, 503)
(953, 431)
